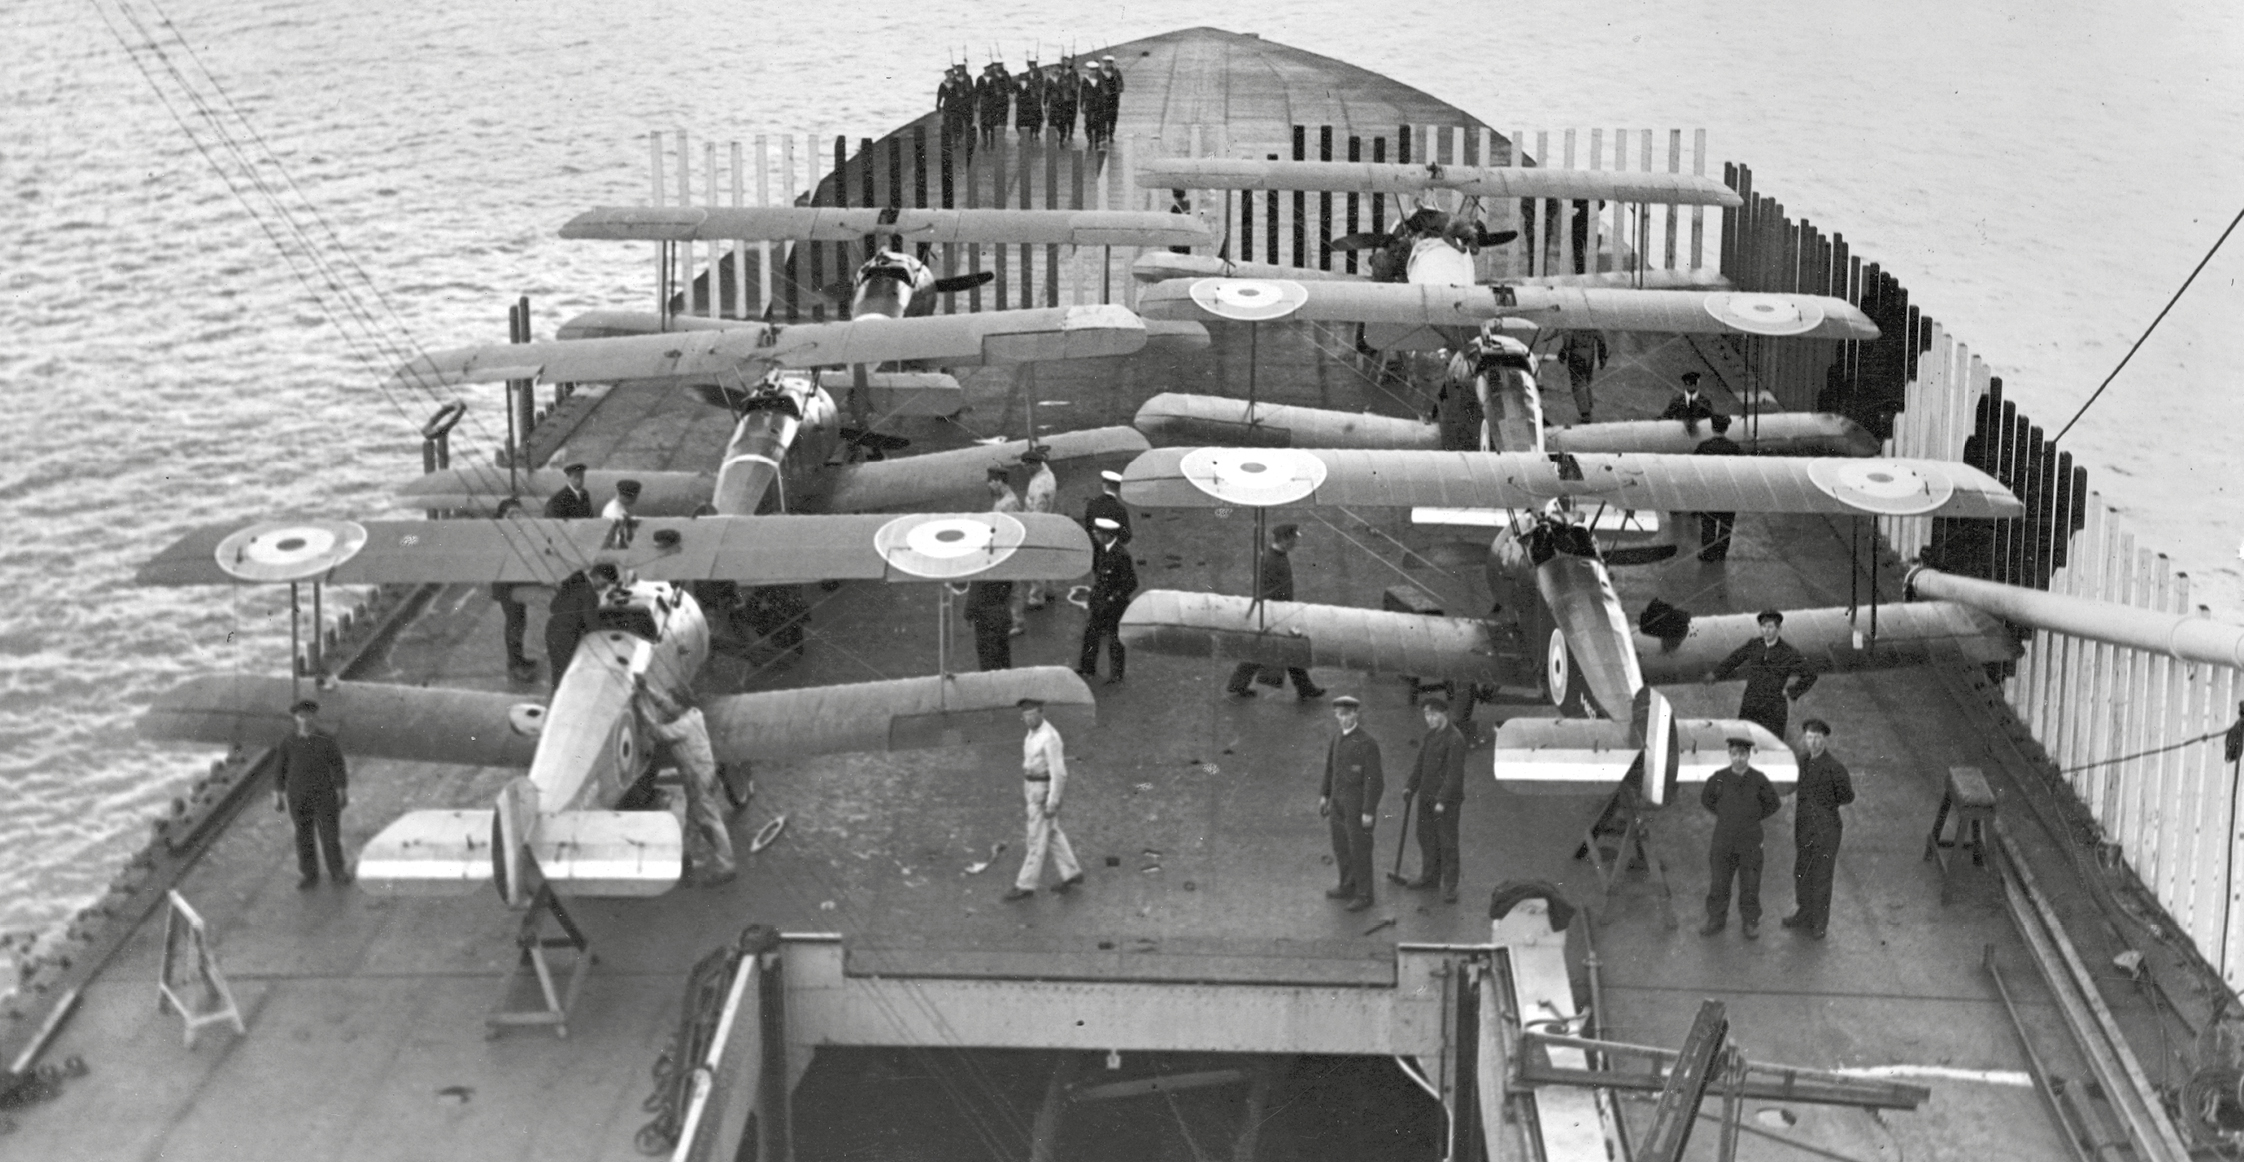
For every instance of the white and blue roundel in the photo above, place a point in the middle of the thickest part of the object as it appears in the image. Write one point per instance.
(1249, 300)
(1765, 314)
(291, 550)
(1882, 486)
(1253, 477)
(943, 546)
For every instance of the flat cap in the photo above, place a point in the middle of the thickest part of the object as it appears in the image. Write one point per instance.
(1817, 725)
(1111, 476)
(1434, 702)
(628, 489)
(998, 474)
(307, 706)
(1106, 525)
(576, 469)
(1348, 700)
(1036, 456)
(1774, 615)
(1690, 378)
(1030, 704)
(1285, 532)
(1741, 744)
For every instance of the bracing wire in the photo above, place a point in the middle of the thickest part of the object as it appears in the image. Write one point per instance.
(2178, 293)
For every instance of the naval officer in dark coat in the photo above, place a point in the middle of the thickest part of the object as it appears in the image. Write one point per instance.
(1108, 504)
(1437, 781)
(1740, 798)
(573, 613)
(1349, 800)
(572, 502)
(1824, 788)
(313, 787)
(1688, 405)
(1775, 674)
(1113, 579)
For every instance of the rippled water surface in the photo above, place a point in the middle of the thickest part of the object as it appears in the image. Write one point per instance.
(2042, 179)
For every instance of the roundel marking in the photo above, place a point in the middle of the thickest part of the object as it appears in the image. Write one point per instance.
(1253, 477)
(289, 550)
(946, 546)
(1557, 669)
(1765, 314)
(526, 719)
(1882, 486)
(1249, 299)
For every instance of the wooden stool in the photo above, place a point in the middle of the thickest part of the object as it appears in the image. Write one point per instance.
(1973, 803)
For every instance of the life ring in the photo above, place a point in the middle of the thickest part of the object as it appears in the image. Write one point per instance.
(443, 420)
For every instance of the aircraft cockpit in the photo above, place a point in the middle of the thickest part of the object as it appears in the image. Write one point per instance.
(641, 609)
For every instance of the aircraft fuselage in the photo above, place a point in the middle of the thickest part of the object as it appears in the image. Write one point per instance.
(592, 747)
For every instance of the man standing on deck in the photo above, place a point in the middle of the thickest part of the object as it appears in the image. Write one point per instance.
(1349, 801)
(519, 665)
(1108, 504)
(1043, 784)
(1688, 405)
(954, 99)
(989, 609)
(1113, 579)
(1059, 99)
(1583, 353)
(1740, 798)
(685, 731)
(1824, 788)
(1775, 674)
(573, 613)
(572, 502)
(1028, 102)
(1110, 103)
(1437, 781)
(1274, 582)
(1716, 528)
(313, 787)
(1041, 495)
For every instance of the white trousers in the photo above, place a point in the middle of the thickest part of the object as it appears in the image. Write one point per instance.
(1044, 832)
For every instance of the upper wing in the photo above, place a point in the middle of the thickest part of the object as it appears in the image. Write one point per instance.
(1211, 477)
(731, 354)
(1175, 418)
(976, 709)
(759, 550)
(1682, 312)
(940, 477)
(845, 224)
(1224, 173)
(1161, 265)
(479, 490)
(368, 719)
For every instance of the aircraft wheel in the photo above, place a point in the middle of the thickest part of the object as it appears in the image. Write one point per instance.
(1562, 679)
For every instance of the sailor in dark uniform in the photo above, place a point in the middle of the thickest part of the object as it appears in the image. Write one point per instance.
(313, 787)
(1113, 579)
(1688, 405)
(1824, 788)
(1028, 102)
(1108, 504)
(1717, 528)
(1740, 798)
(573, 613)
(954, 99)
(1437, 781)
(1274, 582)
(572, 502)
(1059, 99)
(1349, 801)
(1110, 98)
(1775, 674)
(989, 609)
(519, 665)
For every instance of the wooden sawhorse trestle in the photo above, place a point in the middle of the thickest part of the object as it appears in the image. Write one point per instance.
(552, 1004)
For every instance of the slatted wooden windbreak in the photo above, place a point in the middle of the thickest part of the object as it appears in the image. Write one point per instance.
(2109, 719)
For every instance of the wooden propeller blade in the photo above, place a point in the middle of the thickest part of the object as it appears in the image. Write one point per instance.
(960, 282)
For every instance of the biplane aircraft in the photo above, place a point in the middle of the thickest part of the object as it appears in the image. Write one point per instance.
(1548, 573)
(788, 427)
(1424, 294)
(562, 826)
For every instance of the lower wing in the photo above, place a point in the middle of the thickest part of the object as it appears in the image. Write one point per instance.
(367, 719)
(975, 709)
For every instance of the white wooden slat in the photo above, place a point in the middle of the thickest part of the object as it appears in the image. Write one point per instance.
(1565, 222)
(763, 198)
(1698, 213)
